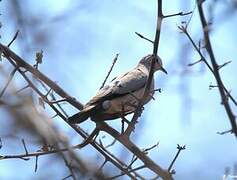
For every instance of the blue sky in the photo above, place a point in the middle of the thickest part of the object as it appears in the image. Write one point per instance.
(82, 38)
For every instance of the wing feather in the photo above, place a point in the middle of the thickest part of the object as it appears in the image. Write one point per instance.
(121, 85)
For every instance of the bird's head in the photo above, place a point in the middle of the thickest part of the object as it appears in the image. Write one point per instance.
(146, 61)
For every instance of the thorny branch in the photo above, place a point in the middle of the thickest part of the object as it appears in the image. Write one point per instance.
(11, 56)
(203, 59)
(205, 28)
(156, 41)
(81, 132)
(137, 112)
(224, 93)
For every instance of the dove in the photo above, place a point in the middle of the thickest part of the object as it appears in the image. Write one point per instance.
(121, 96)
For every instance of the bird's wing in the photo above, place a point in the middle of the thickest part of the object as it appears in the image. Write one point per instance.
(127, 83)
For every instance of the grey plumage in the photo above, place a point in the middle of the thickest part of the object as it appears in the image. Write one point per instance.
(121, 95)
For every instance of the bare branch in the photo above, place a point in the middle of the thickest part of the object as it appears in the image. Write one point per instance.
(178, 14)
(80, 131)
(102, 165)
(56, 101)
(143, 37)
(110, 70)
(137, 112)
(67, 177)
(205, 28)
(184, 30)
(88, 140)
(24, 145)
(225, 132)
(152, 147)
(21, 63)
(36, 163)
(22, 89)
(196, 62)
(111, 144)
(8, 82)
(14, 38)
(132, 170)
(135, 150)
(69, 168)
(11, 56)
(223, 65)
(180, 148)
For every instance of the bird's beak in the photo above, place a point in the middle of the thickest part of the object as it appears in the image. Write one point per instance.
(163, 69)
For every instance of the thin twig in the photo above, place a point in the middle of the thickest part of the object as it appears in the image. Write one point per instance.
(190, 18)
(124, 165)
(34, 154)
(224, 64)
(134, 159)
(67, 177)
(25, 87)
(196, 62)
(24, 145)
(110, 70)
(152, 147)
(111, 144)
(8, 82)
(69, 167)
(14, 38)
(54, 116)
(178, 14)
(102, 165)
(49, 91)
(180, 148)
(143, 37)
(225, 132)
(132, 170)
(57, 101)
(36, 163)
(88, 140)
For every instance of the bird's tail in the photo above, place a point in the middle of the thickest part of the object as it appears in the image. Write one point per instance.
(81, 116)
